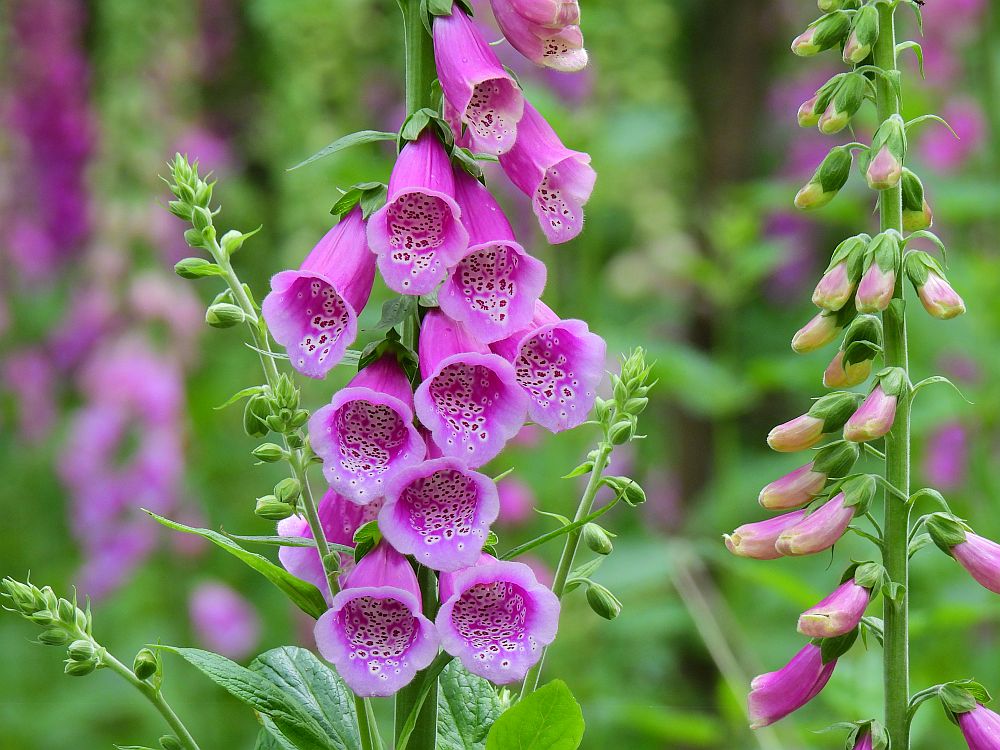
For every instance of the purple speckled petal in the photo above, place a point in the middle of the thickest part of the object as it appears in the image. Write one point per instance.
(366, 436)
(440, 512)
(981, 728)
(496, 618)
(774, 695)
(485, 96)
(494, 288)
(557, 44)
(558, 181)
(418, 233)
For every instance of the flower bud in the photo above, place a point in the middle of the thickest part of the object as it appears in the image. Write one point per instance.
(863, 35)
(798, 434)
(55, 636)
(195, 268)
(629, 490)
(837, 285)
(621, 432)
(818, 531)
(756, 540)
(824, 33)
(828, 6)
(938, 297)
(879, 280)
(603, 602)
(827, 180)
(268, 453)
(845, 103)
(79, 668)
(224, 315)
(169, 742)
(916, 211)
(792, 490)
(288, 490)
(145, 664)
(255, 415)
(840, 374)
(837, 614)
(81, 650)
(272, 509)
(597, 539)
(821, 330)
(885, 168)
(811, 109)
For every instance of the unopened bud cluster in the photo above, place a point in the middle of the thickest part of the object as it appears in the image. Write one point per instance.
(620, 414)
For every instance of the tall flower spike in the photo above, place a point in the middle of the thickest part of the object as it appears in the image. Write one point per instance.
(340, 519)
(559, 181)
(469, 399)
(365, 435)
(556, 42)
(980, 728)
(559, 364)
(440, 512)
(823, 527)
(836, 614)
(496, 618)
(776, 694)
(756, 540)
(485, 96)
(493, 289)
(802, 485)
(418, 234)
(374, 632)
(312, 312)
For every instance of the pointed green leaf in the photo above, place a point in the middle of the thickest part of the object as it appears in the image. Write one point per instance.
(547, 719)
(354, 139)
(395, 311)
(467, 707)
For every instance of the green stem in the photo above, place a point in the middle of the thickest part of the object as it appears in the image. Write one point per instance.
(569, 550)
(364, 727)
(416, 704)
(896, 668)
(154, 696)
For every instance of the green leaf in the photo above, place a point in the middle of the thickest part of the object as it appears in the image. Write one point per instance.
(319, 690)
(365, 539)
(269, 738)
(439, 7)
(289, 715)
(288, 541)
(395, 311)
(245, 393)
(467, 707)
(548, 719)
(354, 139)
(304, 595)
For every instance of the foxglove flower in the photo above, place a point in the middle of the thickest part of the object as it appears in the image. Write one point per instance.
(827, 414)
(440, 512)
(492, 290)
(879, 280)
(559, 364)
(828, 179)
(374, 632)
(863, 35)
(822, 34)
(312, 312)
(802, 485)
(224, 621)
(469, 399)
(365, 435)
(418, 233)
(476, 85)
(834, 290)
(938, 297)
(558, 181)
(981, 557)
(885, 168)
(837, 614)
(555, 41)
(756, 540)
(776, 694)
(822, 329)
(340, 518)
(496, 618)
(839, 374)
(917, 213)
(823, 527)
(874, 419)
(980, 728)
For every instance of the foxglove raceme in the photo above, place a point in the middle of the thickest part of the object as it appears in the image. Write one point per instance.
(823, 527)
(802, 485)
(756, 540)
(440, 512)
(776, 694)
(365, 435)
(980, 728)
(374, 632)
(546, 32)
(834, 290)
(559, 364)
(418, 233)
(469, 399)
(827, 180)
(558, 180)
(837, 614)
(312, 312)
(938, 297)
(492, 290)
(476, 85)
(496, 618)
(827, 414)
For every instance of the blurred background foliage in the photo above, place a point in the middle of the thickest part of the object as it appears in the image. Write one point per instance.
(691, 249)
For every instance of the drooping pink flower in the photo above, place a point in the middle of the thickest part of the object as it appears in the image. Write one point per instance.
(555, 42)
(873, 419)
(800, 486)
(939, 298)
(365, 435)
(839, 375)
(875, 289)
(440, 512)
(313, 312)
(834, 288)
(980, 728)
(821, 330)
(224, 621)
(559, 181)
(418, 234)
(469, 399)
(819, 530)
(496, 618)
(756, 540)
(486, 97)
(797, 434)
(836, 614)
(492, 290)
(981, 557)
(374, 632)
(559, 364)
(774, 695)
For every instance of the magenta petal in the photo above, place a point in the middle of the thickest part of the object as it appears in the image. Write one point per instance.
(981, 557)
(418, 233)
(548, 12)
(818, 531)
(483, 94)
(496, 619)
(980, 728)
(558, 181)
(493, 289)
(837, 614)
(557, 44)
(776, 694)
(440, 512)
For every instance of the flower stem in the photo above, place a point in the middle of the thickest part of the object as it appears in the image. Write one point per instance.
(896, 668)
(154, 696)
(364, 726)
(569, 549)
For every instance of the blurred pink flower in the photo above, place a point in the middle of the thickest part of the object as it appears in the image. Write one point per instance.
(223, 620)
(798, 267)
(539, 567)
(946, 457)
(517, 500)
(941, 149)
(29, 375)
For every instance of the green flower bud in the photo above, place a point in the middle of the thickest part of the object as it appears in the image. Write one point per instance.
(863, 35)
(67, 611)
(194, 238)
(255, 414)
(621, 431)
(844, 104)
(268, 453)
(81, 650)
(299, 418)
(635, 406)
(56, 636)
(180, 209)
(629, 489)
(272, 509)
(201, 217)
(43, 617)
(224, 315)
(603, 602)
(288, 490)
(146, 664)
(169, 742)
(827, 180)
(888, 150)
(858, 492)
(286, 395)
(597, 539)
(22, 596)
(916, 211)
(276, 423)
(822, 34)
(79, 668)
(836, 459)
(834, 409)
(196, 268)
